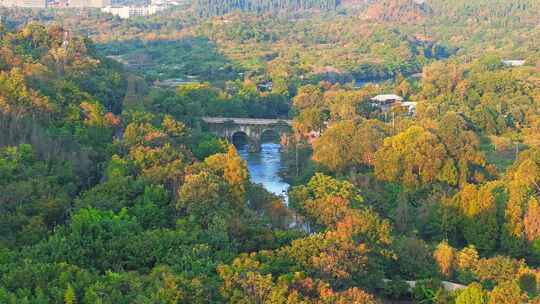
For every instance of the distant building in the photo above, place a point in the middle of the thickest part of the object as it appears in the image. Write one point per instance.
(166, 2)
(174, 82)
(106, 6)
(386, 101)
(265, 87)
(387, 98)
(312, 136)
(126, 12)
(88, 3)
(410, 106)
(24, 3)
(57, 3)
(33, 3)
(513, 63)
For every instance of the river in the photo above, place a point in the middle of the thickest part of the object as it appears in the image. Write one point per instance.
(264, 167)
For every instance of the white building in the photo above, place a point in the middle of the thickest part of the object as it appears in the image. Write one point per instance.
(410, 106)
(165, 2)
(386, 101)
(386, 98)
(24, 3)
(126, 12)
(88, 3)
(513, 63)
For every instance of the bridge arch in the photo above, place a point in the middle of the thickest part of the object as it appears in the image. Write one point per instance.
(270, 135)
(254, 129)
(239, 138)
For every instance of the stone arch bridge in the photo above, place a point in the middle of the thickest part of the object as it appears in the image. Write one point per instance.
(252, 128)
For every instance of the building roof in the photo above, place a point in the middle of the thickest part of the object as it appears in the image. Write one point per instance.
(387, 97)
(409, 104)
(513, 62)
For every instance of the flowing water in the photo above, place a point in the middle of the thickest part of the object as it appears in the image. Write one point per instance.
(264, 167)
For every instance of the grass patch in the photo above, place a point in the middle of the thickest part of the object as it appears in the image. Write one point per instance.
(499, 151)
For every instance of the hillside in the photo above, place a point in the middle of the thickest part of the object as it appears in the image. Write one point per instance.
(408, 170)
(406, 11)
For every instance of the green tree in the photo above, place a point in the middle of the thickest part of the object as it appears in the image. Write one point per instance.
(507, 293)
(70, 296)
(479, 207)
(414, 158)
(444, 255)
(473, 294)
(345, 145)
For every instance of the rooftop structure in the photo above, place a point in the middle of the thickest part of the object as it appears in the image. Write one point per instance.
(24, 3)
(126, 12)
(387, 98)
(410, 105)
(166, 2)
(513, 63)
(88, 3)
(265, 86)
(386, 101)
(174, 82)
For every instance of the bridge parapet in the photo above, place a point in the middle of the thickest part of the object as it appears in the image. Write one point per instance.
(246, 121)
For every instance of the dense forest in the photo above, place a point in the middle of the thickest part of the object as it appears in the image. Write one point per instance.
(216, 8)
(113, 190)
